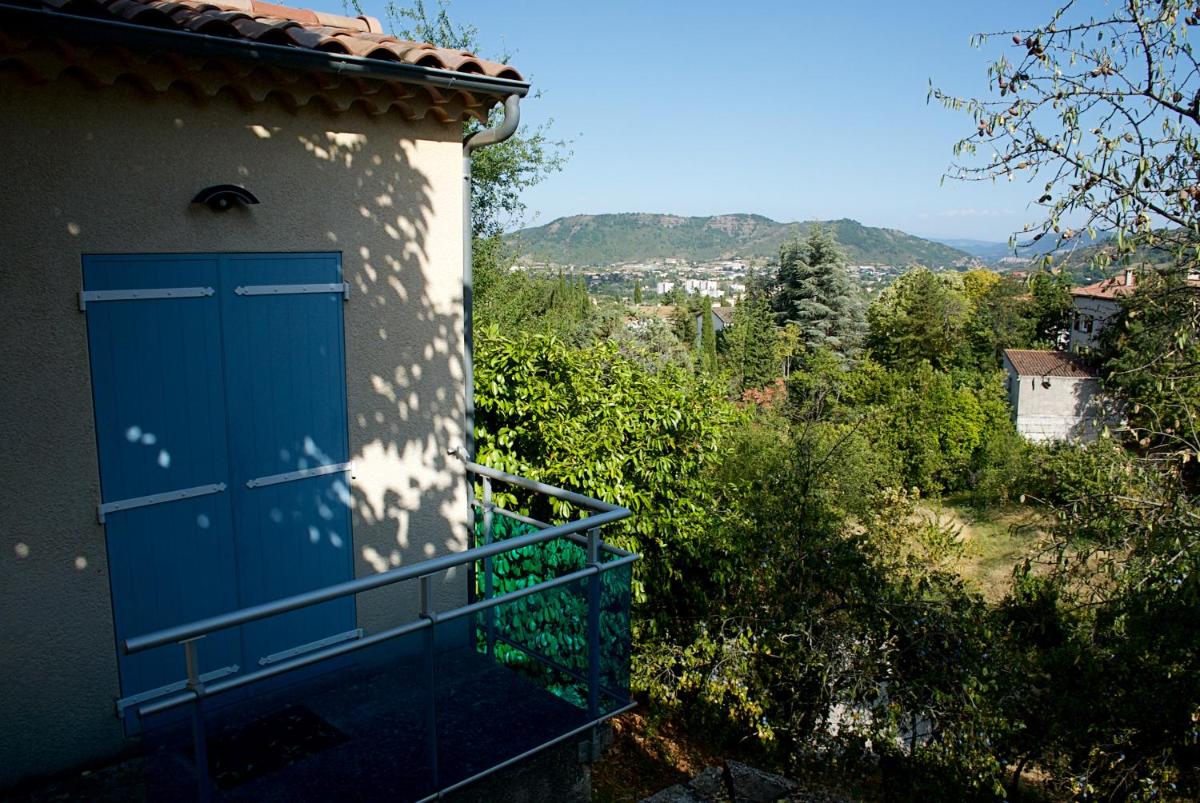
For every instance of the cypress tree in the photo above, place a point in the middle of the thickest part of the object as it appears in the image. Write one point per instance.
(683, 322)
(751, 339)
(708, 336)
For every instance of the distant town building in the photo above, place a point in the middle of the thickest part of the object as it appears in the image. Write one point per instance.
(709, 288)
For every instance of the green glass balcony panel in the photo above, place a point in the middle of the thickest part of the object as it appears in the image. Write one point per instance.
(545, 635)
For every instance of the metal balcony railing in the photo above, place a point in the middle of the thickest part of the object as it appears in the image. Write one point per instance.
(545, 627)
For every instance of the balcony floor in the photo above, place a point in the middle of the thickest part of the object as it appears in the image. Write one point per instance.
(350, 733)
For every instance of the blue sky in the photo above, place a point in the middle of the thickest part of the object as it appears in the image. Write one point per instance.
(795, 110)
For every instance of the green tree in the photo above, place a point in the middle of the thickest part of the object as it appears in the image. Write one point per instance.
(1051, 297)
(1097, 112)
(938, 424)
(637, 292)
(1002, 318)
(708, 336)
(977, 282)
(1152, 359)
(649, 340)
(814, 291)
(788, 347)
(518, 302)
(920, 316)
(1112, 604)
(683, 321)
(750, 341)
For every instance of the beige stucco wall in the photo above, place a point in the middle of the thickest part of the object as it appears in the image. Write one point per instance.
(1070, 409)
(1100, 310)
(113, 170)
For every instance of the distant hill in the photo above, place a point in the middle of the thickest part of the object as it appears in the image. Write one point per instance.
(607, 239)
(1076, 256)
(1079, 262)
(986, 250)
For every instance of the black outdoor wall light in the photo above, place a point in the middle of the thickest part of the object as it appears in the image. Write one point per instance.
(221, 197)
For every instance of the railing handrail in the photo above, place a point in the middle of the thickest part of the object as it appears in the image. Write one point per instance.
(533, 485)
(413, 626)
(608, 513)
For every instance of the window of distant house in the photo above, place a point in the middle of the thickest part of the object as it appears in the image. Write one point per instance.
(1087, 324)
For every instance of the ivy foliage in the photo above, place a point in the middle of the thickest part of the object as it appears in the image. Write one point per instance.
(545, 634)
(596, 421)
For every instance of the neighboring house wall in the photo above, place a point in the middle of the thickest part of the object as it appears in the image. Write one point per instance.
(1088, 320)
(1069, 409)
(113, 171)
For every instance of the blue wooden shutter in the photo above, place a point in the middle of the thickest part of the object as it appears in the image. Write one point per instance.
(158, 385)
(286, 394)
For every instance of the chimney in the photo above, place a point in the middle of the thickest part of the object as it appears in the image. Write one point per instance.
(1129, 277)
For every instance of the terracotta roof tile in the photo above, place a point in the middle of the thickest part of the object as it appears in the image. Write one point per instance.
(1121, 285)
(1115, 287)
(1030, 362)
(256, 21)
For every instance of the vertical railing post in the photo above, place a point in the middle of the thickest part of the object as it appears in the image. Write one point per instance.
(489, 587)
(431, 738)
(199, 737)
(593, 623)
(472, 540)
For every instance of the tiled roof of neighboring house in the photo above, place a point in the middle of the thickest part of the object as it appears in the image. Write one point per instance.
(724, 313)
(282, 25)
(1030, 362)
(1121, 285)
(1115, 287)
(253, 24)
(664, 311)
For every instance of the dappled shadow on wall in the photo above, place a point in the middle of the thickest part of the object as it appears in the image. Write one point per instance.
(404, 332)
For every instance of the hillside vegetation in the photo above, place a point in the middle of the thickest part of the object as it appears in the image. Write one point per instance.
(606, 239)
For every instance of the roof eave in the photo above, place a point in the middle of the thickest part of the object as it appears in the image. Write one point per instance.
(101, 31)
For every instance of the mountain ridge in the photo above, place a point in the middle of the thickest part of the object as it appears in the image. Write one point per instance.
(632, 236)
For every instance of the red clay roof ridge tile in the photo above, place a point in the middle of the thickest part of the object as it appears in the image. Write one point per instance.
(257, 8)
(361, 36)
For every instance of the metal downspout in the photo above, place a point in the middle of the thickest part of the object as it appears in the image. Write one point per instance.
(488, 136)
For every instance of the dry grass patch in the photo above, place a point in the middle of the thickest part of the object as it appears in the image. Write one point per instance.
(994, 541)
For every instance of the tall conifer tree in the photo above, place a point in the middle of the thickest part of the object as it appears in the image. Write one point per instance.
(815, 292)
(708, 336)
(751, 339)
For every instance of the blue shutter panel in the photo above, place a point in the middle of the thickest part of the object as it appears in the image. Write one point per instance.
(287, 414)
(220, 390)
(160, 425)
